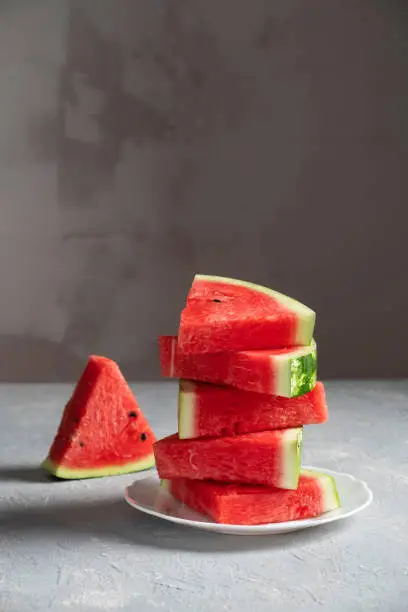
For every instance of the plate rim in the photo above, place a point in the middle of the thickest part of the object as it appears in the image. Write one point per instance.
(254, 529)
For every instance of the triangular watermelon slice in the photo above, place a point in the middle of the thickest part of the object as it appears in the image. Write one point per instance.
(225, 314)
(103, 430)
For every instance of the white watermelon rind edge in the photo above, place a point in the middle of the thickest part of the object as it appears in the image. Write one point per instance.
(328, 487)
(292, 443)
(69, 473)
(186, 410)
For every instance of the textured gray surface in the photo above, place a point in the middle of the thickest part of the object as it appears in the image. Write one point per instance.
(79, 546)
(143, 141)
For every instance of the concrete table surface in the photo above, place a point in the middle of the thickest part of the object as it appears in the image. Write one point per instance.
(79, 546)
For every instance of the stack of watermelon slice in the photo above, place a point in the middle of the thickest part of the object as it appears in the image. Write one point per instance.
(246, 360)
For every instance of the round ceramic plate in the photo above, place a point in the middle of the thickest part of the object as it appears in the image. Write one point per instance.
(147, 496)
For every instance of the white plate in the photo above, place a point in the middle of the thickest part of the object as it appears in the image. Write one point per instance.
(147, 496)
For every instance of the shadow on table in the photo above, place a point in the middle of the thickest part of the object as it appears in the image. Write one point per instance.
(113, 520)
(24, 473)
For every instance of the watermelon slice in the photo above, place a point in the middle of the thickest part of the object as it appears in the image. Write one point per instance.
(234, 504)
(103, 430)
(206, 410)
(285, 372)
(225, 314)
(267, 457)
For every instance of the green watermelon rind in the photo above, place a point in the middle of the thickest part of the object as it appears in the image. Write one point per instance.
(65, 473)
(306, 317)
(327, 483)
(296, 371)
(292, 443)
(186, 410)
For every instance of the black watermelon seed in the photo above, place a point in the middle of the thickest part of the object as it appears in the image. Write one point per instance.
(143, 437)
(76, 420)
(215, 300)
(81, 443)
(132, 414)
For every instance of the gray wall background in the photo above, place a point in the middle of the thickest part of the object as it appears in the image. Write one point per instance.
(142, 141)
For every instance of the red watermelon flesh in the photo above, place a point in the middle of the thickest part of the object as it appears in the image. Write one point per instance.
(284, 372)
(267, 457)
(225, 314)
(103, 430)
(207, 410)
(238, 504)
